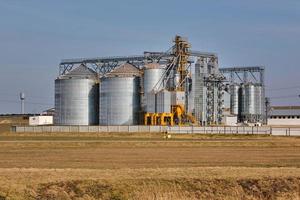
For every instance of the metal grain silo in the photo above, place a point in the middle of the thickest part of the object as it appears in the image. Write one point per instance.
(249, 99)
(153, 82)
(120, 97)
(242, 102)
(258, 100)
(234, 99)
(76, 97)
(153, 77)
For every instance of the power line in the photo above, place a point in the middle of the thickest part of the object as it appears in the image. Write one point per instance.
(285, 97)
(283, 88)
(16, 95)
(27, 102)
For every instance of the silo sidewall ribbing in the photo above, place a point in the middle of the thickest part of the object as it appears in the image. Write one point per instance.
(152, 78)
(234, 99)
(119, 101)
(76, 101)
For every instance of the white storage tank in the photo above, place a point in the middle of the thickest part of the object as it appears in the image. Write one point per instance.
(77, 97)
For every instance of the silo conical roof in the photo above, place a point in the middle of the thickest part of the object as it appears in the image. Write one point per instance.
(125, 70)
(81, 71)
(152, 66)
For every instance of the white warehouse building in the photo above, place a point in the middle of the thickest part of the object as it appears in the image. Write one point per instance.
(284, 116)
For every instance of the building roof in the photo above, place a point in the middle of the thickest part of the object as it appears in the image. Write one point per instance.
(285, 111)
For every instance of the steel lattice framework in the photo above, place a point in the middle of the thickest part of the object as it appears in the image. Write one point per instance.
(103, 65)
(254, 74)
(244, 75)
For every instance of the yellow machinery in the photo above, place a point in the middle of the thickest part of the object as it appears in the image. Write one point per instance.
(164, 119)
(181, 51)
(178, 115)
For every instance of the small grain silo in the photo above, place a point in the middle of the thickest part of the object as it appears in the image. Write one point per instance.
(77, 97)
(152, 83)
(249, 99)
(234, 99)
(120, 96)
(258, 100)
(153, 74)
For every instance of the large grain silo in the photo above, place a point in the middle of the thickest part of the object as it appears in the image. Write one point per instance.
(76, 97)
(120, 96)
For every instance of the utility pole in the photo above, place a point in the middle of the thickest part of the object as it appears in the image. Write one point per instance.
(22, 98)
(267, 107)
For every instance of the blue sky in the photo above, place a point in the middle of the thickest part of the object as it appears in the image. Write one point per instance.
(36, 35)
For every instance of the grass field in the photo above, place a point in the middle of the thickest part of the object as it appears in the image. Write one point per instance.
(146, 166)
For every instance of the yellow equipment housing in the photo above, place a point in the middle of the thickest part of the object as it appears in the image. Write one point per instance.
(163, 119)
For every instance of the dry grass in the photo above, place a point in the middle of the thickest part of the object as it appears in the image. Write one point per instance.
(7, 121)
(133, 152)
(145, 166)
(160, 183)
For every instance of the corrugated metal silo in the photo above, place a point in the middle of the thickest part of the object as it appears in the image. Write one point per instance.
(234, 99)
(76, 97)
(153, 77)
(242, 101)
(163, 101)
(153, 82)
(150, 102)
(258, 100)
(120, 96)
(249, 99)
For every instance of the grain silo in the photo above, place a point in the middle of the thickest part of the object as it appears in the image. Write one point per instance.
(153, 77)
(120, 96)
(152, 83)
(76, 97)
(234, 99)
(258, 100)
(249, 99)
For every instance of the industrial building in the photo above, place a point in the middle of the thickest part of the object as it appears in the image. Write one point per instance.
(247, 93)
(284, 116)
(177, 87)
(40, 120)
